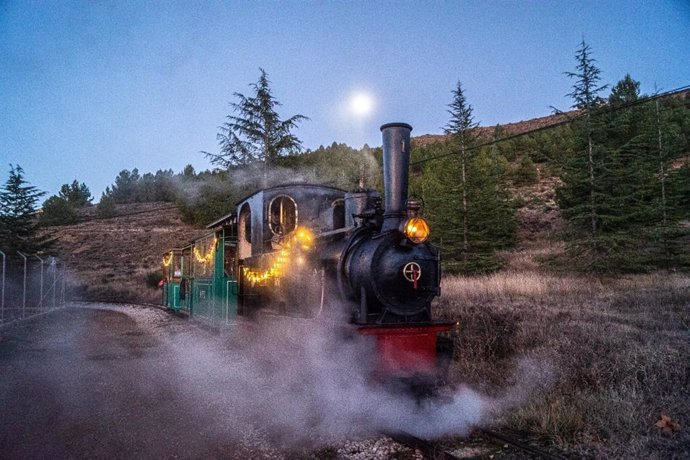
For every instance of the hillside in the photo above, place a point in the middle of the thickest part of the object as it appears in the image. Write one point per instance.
(509, 129)
(109, 259)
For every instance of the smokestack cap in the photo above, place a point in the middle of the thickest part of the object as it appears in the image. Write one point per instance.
(396, 125)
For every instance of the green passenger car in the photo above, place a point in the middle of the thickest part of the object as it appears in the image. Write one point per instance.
(200, 278)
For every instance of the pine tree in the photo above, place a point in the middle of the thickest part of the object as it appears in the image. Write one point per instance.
(106, 206)
(583, 198)
(256, 133)
(18, 224)
(668, 184)
(586, 97)
(460, 128)
(526, 173)
(76, 194)
(464, 192)
(127, 187)
(57, 211)
(60, 209)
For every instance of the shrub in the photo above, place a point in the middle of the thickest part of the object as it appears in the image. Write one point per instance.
(106, 207)
(594, 362)
(153, 278)
(526, 173)
(58, 211)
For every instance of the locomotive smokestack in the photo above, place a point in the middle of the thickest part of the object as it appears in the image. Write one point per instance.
(396, 165)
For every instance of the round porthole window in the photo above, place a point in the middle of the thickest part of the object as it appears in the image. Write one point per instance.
(282, 212)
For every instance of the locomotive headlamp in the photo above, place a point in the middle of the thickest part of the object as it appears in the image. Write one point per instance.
(416, 230)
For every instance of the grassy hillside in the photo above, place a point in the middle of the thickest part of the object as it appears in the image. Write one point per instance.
(109, 259)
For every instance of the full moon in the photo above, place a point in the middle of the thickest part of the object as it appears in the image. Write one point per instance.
(361, 104)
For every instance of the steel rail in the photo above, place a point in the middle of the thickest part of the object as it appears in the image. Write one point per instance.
(427, 448)
(430, 450)
(520, 445)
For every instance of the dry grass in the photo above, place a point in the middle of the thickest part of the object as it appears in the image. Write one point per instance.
(608, 357)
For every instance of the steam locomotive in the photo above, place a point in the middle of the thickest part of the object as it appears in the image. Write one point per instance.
(308, 250)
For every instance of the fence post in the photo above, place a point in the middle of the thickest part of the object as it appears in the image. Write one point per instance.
(62, 291)
(40, 302)
(24, 291)
(2, 298)
(53, 265)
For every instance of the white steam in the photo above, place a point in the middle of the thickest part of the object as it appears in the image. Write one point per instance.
(309, 382)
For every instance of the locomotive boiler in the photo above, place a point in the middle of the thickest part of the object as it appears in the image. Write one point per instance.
(306, 251)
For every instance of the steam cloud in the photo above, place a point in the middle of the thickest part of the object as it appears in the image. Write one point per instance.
(306, 381)
(252, 177)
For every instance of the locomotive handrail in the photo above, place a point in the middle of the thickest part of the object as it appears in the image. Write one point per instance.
(334, 232)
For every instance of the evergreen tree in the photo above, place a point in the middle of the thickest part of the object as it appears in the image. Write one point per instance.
(60, 209)
(460, 128)
(256, 133)
(526, 173)
(106, 206)
(126, 187)
(619, 188)
(57, 211)
(76, 194)
(583, 198)
(464, 192)
(18, 223)
(668, 184)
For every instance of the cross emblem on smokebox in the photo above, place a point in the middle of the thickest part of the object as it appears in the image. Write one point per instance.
(412, 272)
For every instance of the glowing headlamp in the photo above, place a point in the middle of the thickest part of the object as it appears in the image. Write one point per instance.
(416, 229)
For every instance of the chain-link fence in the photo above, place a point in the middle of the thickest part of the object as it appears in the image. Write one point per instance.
(29, 285)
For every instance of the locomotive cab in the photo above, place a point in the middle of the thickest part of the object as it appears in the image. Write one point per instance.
(281, 266)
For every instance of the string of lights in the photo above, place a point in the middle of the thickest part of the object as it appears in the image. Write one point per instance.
(301, 240)
(208, 254)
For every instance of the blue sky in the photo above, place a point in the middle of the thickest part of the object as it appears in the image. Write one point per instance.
(90, 88)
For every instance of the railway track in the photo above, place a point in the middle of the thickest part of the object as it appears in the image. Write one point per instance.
(427, 448)
(434, 451)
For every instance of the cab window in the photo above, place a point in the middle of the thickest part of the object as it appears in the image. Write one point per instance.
(282, 213)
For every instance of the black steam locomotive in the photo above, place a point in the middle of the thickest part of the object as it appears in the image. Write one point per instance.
(307, 250)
